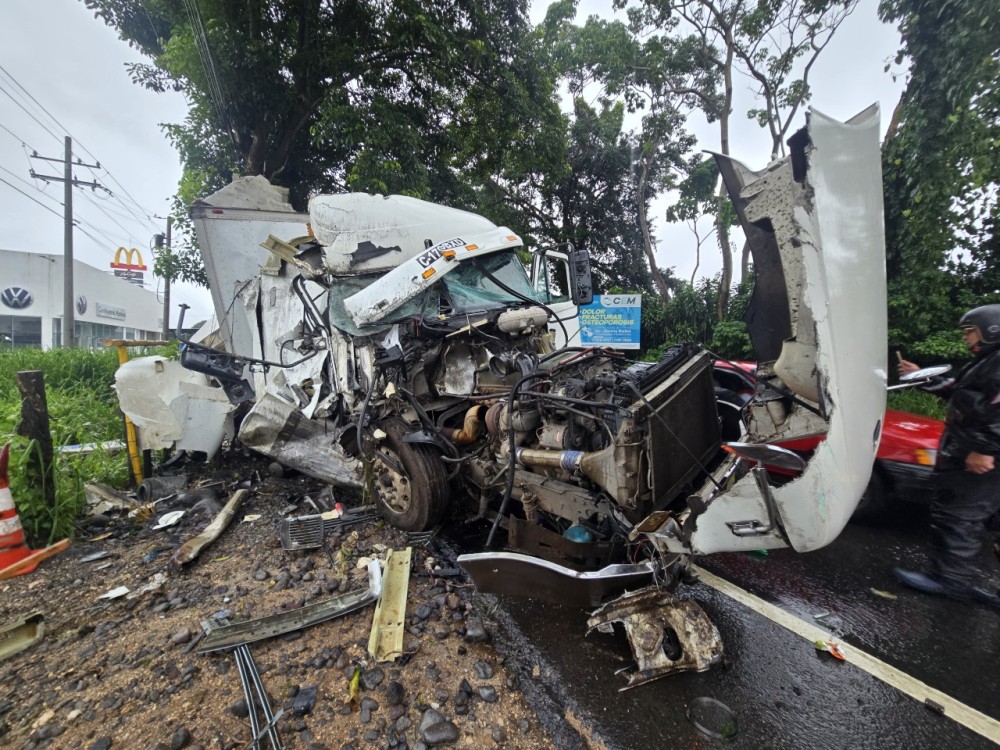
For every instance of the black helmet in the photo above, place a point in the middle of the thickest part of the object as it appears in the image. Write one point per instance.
(986, 320)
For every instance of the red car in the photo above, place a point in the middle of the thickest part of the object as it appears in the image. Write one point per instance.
(906, 453)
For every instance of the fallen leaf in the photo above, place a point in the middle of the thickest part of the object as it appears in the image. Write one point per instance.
(355, 685)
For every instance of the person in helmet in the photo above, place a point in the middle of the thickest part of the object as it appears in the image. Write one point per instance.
(968, 465)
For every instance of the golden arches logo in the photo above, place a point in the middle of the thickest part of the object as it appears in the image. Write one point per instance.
(130, 255)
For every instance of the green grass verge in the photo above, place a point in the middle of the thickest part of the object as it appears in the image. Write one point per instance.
(82, 408)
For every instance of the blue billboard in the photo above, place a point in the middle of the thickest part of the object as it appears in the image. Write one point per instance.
(611, 320)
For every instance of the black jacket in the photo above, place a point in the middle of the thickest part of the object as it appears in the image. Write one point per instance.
(973, 420)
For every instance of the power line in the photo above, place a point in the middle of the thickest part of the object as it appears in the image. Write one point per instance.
(15, 135)
(34, 187)
(87, 151)
(101, 209)
(30, 198)
(28, 94)
(29, 113)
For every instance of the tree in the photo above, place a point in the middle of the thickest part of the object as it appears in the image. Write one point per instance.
(941, 165)
(577, 187)
(314, 95)
(771, 42)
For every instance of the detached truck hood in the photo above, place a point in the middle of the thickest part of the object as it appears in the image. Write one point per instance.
(814, 224)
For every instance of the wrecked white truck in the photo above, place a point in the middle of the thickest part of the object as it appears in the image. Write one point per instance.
(403, 347)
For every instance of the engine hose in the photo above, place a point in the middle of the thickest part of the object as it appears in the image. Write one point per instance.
(512, 457)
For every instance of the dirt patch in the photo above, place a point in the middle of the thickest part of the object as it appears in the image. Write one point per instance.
(126, 672)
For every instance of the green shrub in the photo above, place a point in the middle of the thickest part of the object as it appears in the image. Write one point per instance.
(82, 409)
(917, 402)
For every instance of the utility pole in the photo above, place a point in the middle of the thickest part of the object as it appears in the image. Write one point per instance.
(69, 182)
(160, 245)
(166, 286)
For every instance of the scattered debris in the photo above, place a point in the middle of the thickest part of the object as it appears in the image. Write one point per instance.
(95, 556)
(193, 547)
(21, 634)
(666, 634)
(101, 499)
(169, 519)
(252, 683)
(831, 647)
(713, 718)
(157, 488)
(115, 593)
(422, 538)
(884, 594)
(518, 574)
(308, 532)
(296, 619)
(386, 641)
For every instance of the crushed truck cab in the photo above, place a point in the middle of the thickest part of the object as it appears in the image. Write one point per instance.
(403, 346)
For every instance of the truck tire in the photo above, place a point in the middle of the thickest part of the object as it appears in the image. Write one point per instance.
(875, 501)
(415, 498)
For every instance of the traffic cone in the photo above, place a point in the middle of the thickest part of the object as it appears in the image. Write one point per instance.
(12, 546)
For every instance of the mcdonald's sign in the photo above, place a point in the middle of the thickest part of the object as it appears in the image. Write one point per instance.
(131, 271)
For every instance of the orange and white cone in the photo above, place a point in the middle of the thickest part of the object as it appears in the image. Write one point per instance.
(12, 545)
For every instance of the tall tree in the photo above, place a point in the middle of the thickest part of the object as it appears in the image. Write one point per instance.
(941, 165)
(651, 77)
(774, 43)
(315, 95)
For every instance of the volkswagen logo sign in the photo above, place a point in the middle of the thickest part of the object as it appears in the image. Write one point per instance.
(16, 298)
(81, 304)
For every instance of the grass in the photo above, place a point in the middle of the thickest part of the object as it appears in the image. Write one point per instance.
(82, 408)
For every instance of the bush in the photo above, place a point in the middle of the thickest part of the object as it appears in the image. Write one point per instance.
(917, 402)
(82, 409)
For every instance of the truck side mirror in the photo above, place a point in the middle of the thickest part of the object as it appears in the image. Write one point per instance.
(581, 287)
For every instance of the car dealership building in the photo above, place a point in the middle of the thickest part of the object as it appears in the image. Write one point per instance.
(31, 302)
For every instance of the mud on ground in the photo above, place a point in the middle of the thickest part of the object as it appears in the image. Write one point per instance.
(126, 672)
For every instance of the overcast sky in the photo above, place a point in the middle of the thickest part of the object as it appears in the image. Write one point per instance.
(63, 73)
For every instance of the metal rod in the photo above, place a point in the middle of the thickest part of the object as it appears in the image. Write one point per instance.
(251, 708)
(265, 703)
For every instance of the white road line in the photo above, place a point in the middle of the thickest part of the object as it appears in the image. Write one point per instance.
(968, 717)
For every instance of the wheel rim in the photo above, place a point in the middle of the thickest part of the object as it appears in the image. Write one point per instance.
(394, 488)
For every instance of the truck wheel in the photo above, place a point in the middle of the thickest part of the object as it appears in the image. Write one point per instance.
(409, 485)
(874, 502)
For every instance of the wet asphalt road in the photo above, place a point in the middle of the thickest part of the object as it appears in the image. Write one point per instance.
(785, 693)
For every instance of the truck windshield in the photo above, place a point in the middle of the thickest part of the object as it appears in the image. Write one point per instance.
(468, 288)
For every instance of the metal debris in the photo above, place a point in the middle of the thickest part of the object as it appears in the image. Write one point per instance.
(666, 634)
(115, 593)
(308, 532)
(422, 538)
(21, 634)
(251, 681)
(523, 575)
(296, 619)
(386, 640)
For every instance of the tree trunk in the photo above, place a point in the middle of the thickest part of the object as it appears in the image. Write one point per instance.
(721, 229)
(647, 240)
(34, 425)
